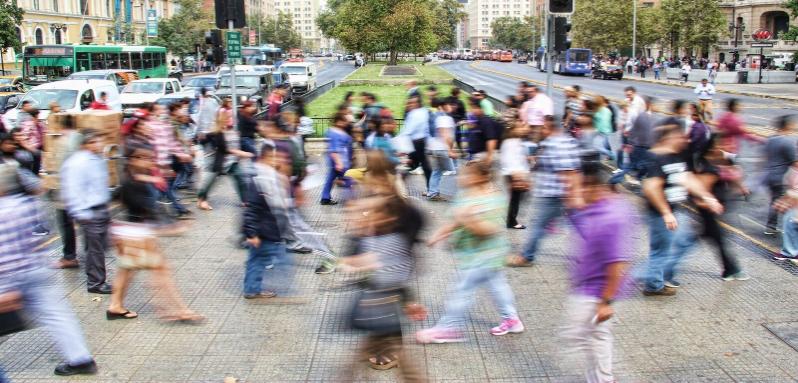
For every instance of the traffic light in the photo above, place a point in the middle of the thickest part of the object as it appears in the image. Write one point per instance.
(561, 6)
(227, 10)
(213, 37)
(218, 55)
(561, 29)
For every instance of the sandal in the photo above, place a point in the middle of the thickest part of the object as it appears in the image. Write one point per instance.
(384, 362)
(203, 205)
(187, 318)
(125, 315)
(518, 261)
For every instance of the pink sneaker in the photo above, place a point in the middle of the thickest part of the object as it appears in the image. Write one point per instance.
(439, 335)
(508, 326)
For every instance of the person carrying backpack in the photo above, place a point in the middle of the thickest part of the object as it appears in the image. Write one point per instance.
(439, 146)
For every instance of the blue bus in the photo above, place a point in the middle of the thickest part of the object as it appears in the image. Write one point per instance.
(576, 61)
(263, 55)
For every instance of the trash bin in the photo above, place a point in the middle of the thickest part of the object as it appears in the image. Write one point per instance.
(789, 67)
(742, 77)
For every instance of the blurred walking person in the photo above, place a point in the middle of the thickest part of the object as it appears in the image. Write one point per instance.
(339, 157)
(72, 140)
(534, 111)
(598, 270)
(780, 154)
(514, 160)
(439, 147)
(84, 190)
(417, 130)
(480, 243)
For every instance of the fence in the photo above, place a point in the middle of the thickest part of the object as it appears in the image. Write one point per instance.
(498, 105)
(321, 124)
(307, 97)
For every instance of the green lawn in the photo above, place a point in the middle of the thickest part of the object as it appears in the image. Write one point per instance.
(391, 96)
(429, 73)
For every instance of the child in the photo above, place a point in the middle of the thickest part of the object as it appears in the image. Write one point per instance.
(597, 272)
(339, 157)
(480, 245)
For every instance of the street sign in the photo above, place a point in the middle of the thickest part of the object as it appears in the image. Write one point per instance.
(762, 35)
(233, 45)
(152, 23)
(252, 37)
(761, 45)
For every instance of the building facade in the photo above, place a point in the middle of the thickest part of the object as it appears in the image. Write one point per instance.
(304, 13)
(746, 17)
(85, 22)
(482, 13)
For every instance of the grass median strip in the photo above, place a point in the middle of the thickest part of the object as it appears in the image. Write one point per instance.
(424, 73)
(390, 96)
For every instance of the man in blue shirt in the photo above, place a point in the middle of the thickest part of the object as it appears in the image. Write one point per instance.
(417, 129)
(84, 190)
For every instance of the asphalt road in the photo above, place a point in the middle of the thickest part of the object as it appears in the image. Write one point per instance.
(758, 111)
(333, 70)
(743, 217)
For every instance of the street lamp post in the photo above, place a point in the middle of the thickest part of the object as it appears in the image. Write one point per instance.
(634, 28)
(736, 28)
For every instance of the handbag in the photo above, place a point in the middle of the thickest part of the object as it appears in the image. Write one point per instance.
(377, 311)
(13, 322)
(520, 182)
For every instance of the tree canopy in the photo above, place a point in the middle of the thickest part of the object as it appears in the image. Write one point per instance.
(185, 28)
(10, 17)
(372, 26)
(515, 33)
(276, 30)
(792, 33)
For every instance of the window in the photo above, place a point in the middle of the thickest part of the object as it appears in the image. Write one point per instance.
(169, 88)
(86, 33)
(98, 61)
(124, 60)
(35, 5)
(112, 60)
(83, 61)
(86, 99)
(58, 36)
(147, 60)
(39, 36)
(84, 7)
(136, 59)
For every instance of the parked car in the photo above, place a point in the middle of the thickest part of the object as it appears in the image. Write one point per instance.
(9, 100)
(225, 69)
(608, 72)
(349, 57)
(198, 82)
(146, 90)
(71, 96)
(121, 77)
(11, 84)
(522, 59)
(252, 86)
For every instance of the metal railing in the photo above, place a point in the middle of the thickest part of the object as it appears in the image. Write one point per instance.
(307, 97)
(321, 124)
(498, 105)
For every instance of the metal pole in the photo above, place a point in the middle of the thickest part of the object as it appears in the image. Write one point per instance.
(761, 62)
(2, 63)
(634, 28)
(549, 51)
(146, 21)
(232, 63)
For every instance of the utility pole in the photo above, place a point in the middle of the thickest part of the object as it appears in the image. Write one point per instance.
(634, 28)
(549, 52)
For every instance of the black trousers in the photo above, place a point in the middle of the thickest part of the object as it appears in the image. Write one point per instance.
(67, 226)
(95, 234)
(713, 231)
(776, 192)
(419, 158)
(515, 202)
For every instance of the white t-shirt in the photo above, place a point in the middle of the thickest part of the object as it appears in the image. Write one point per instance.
(444, 125)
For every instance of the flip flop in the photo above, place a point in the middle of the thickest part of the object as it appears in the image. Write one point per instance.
(125, 315)
(383, 362)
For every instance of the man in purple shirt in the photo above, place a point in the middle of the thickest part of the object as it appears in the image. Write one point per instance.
(598, 271)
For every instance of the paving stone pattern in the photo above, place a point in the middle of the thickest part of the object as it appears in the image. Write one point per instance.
(712, 331)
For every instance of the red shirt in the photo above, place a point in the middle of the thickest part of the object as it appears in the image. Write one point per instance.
(730, 126)
(275, 100)
(99, 105)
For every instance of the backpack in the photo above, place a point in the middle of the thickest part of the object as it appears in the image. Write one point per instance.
(431, 123)
(614, 118)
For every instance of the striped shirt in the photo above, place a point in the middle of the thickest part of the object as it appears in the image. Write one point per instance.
(558, 153)
(18, 248)
(394, 255)
(164, 142)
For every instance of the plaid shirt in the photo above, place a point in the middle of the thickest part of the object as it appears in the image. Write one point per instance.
(164, 142)
(558, 153)
(18, 252)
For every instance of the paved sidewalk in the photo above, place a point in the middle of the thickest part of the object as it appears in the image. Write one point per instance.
(776, 91)
(711, 331)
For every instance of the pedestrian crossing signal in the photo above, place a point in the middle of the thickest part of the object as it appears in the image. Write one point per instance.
(561, 6)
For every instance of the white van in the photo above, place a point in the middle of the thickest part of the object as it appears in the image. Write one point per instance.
(71, 96)
(301, 75)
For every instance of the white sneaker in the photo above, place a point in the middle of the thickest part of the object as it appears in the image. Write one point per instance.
(450, 173)
(740, 276)
(417, 171)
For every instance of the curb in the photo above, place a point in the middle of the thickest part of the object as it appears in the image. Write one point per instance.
(734, 92)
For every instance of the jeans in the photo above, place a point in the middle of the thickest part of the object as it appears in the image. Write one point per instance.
(259, 258)
(171, 189)
(95, 234)
(662, 261)
(602, 144)
(686, 238)
(210, 179)
(440, 161)
(547, 209)
(67, 234)
(776, 192)
(43, 299)
(656, 74)
(332, 175)
(594, 341)
(248, 145)
(789, 235)
(638, 162)
(463, 296)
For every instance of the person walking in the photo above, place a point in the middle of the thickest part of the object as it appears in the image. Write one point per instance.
(685, 72)
(657, 69)
(84, 190)
(705, 91)
(339, 157)
(514, 160)
(71, 139)
(604, 125)
(416, 129)
(780, 154)
(669, 183)
(534, 111)
(598, 270)
(206, 116)
(169, 153)
(639, 137)
(557, 167)
(483, 134)
(439, 147)
(480, 242)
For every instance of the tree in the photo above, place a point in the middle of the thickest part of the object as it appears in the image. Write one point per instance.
(515, 33)
(186, 28)
(10, 17)
(606, 25)
(279, 31)
(792, 33)
(372, 26)
(695, 24)
(449, 13)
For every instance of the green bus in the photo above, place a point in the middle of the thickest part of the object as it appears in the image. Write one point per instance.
(46, 63)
